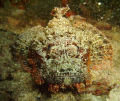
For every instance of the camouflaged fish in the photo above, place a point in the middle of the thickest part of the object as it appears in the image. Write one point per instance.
(64, 53)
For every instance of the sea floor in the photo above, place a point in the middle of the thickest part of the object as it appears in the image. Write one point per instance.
(18, 85)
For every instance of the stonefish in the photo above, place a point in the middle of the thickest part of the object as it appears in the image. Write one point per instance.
(64, 53)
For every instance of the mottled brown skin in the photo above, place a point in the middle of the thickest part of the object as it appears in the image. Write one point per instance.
(35, 71)
(65, 52)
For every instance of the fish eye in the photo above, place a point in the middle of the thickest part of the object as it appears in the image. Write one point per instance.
(69, 69)
(62, 70)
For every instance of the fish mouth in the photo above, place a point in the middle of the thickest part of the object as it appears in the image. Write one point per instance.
(62, 78)
(63, 75)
